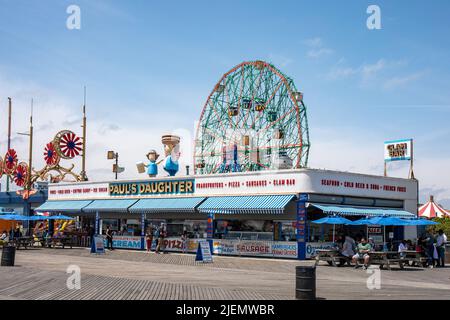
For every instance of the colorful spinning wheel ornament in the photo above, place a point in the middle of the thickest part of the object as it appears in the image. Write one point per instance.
(67, 144)
(10, 162)
(21, 174)
(51, 156)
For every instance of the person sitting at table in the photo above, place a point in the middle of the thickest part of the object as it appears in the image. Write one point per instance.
(348, 248)
(17, 233)
(362, 252)
(402, 247)
(4, 235)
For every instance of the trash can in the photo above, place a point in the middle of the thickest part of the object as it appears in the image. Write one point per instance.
(8, 256)
(305, 286)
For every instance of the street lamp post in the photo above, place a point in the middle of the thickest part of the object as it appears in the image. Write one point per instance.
(112, 155)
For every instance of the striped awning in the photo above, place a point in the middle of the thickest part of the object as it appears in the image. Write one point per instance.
(166, 205)
(113, 205)
(271, 204)
(370, 212)
(66, 206)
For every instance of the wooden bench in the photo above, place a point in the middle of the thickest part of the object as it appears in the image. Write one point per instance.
(332, 257)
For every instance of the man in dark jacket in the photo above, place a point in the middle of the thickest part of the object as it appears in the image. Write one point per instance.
(109, 238)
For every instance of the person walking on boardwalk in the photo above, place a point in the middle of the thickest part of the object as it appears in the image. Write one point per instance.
(184, 237)
(441, 240)
(149, 238)
(109, 238)
(158, 239)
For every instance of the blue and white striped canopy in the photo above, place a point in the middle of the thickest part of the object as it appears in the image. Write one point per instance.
(67, 206)
(271, 204)
(113, 205)
(166, 205)
(370, 212)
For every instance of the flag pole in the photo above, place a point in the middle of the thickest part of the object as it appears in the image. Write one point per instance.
(9, 136)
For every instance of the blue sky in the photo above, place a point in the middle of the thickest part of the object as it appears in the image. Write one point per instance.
(150, 65)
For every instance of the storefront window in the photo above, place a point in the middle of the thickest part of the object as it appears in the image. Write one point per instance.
(244, 229)
(112, 223)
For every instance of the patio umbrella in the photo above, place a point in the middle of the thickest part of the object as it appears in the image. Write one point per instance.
(14, 217)
(390, 221)
(383, 221)
(334, 221)
(59, 217)
(422, 222)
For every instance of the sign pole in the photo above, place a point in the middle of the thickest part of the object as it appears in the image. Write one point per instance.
(411, 170)
(301, 226)
(210, 230)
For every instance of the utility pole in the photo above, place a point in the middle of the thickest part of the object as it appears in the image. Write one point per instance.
(9, 136)
(83, 158)
(30, 154)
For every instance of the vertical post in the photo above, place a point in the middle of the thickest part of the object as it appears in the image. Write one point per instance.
(210, 230)
(411, 168)
(30, 154)
(83, 158)
(385, 168)
(142, 231)
(301, 226)
(9, 136)
(97, 222)
(117, 164)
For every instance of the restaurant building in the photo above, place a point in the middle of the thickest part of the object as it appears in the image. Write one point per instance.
(265, 214)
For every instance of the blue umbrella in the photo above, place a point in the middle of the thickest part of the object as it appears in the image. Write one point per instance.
(14, 217)
(422, 222)
(390, 221)
(38, 218)
(361, 222)
(334, 221)
(60, 217)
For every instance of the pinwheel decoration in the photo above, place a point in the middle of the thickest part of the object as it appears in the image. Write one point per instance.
(67, 144)
(51, 156)
(10, 162)
(21, 174)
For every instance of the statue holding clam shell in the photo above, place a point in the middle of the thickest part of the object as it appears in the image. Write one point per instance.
(172, 155)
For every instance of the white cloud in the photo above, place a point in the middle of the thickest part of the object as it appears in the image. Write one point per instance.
(401, 81)
(317, 48)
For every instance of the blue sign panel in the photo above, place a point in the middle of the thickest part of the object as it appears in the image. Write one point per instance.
(301, 227)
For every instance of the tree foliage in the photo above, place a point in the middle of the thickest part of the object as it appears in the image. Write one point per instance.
(444, 224)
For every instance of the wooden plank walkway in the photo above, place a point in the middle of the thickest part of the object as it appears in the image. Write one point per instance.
(26, 283)
(40, 274)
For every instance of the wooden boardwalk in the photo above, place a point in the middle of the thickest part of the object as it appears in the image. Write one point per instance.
(40, 274)
(26, 283)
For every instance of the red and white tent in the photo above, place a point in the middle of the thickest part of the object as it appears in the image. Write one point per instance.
(432, 210)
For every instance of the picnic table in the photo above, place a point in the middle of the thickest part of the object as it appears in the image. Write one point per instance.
(24, 242)
(386, 258)
(414, 258)
(332, 256)
(59, 242)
